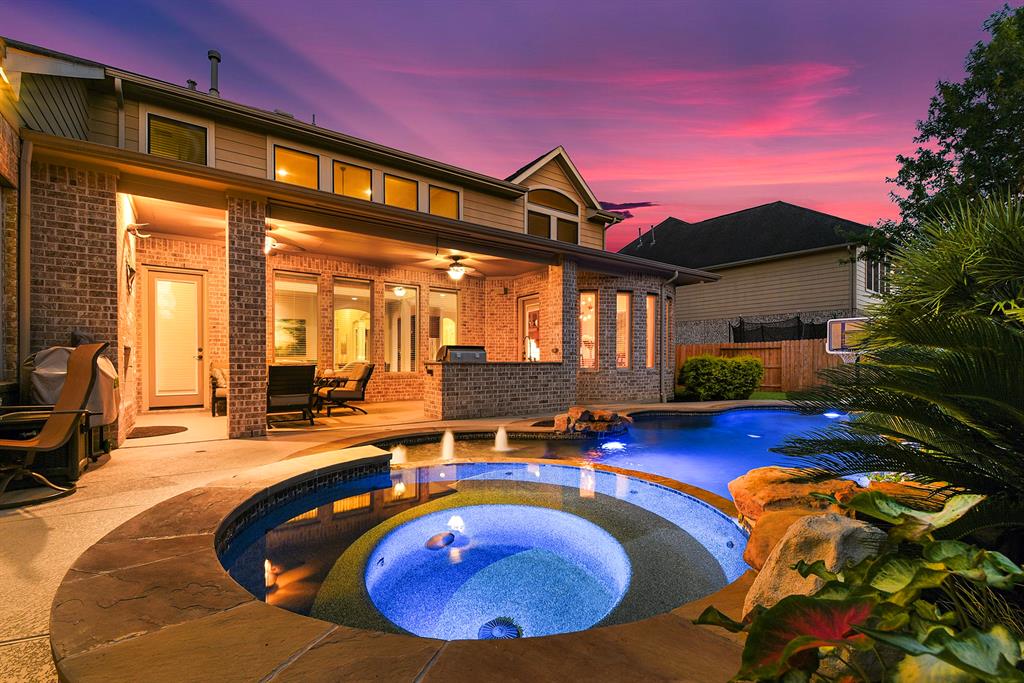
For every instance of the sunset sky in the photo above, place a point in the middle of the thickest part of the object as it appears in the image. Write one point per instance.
(700, 108)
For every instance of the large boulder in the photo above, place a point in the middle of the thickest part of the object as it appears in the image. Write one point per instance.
(836, 539)
(585, 422)
(769, 530)
(766, 489)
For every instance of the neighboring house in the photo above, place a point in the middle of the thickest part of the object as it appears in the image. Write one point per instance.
(777, 262)
(190, 231)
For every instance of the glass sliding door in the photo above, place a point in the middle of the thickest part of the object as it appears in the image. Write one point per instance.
(444, 320)
(401, 308)
(352, 326)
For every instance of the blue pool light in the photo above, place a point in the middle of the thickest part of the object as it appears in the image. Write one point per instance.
(833, 415)
(613, 446)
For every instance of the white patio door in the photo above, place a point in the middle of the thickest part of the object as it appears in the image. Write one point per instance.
(175, 340)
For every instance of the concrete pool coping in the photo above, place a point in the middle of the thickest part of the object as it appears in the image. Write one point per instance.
(151, 601)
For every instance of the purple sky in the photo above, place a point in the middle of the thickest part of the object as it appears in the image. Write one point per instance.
(699, 107)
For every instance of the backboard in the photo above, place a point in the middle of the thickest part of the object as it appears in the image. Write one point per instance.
(843, 335)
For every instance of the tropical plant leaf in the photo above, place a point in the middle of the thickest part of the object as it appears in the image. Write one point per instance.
(781, 635)
(909, 523)
(988, 656)
(714, 617)
(816, 568)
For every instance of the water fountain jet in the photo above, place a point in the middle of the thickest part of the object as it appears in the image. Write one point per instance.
(501, 440)
(448, 445)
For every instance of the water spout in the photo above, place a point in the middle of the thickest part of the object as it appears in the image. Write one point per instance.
(398, 454)
(448, 445)
(501, 440)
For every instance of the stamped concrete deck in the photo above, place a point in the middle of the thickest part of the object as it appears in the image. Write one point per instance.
(40, 543)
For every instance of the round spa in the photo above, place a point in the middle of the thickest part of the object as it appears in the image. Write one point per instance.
(488, 550)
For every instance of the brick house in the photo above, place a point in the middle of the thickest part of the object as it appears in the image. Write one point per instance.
(194, 232)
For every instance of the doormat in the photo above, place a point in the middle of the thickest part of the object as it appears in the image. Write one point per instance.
(158, 430)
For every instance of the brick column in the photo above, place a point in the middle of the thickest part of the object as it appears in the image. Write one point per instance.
(247, 310)
(563, 278)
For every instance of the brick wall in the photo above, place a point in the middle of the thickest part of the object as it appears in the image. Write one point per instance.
(247, 306)
(10, 151)
(636, 383)
(474, 390)
(199, 255)
(9, 302)
(74, 256)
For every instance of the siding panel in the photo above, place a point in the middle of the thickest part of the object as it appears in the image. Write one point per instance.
(240, 151)
(102, 119)
(484, 209)
(817, 282)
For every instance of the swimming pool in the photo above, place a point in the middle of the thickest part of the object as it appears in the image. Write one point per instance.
(485, 550)
(705, 450)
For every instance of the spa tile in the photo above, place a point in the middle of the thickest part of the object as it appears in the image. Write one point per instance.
(199, 511)
(663, 648)
(129, 602)
(350, 654)
(106, 557)
(243, 644)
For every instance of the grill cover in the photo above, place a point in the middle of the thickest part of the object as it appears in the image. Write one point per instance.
(49, 369)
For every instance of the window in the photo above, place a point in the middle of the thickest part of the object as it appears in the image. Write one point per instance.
(652, 328)
(296, 168)
(553, 200)
(623, 328)
(351, 321)
(444, 202)
(444, 320)
(176, 140)
(567, 231)
(401, 192)
(353, 181)
(588, 330)
(553, 215)
(401, 303)
(538, 224)
(877, 276)
(529, 314)
(295, 317)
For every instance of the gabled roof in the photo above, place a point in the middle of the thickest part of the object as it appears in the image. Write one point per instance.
(759, 233)
(559, 154)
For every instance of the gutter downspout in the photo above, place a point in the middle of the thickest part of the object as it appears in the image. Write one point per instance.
(853, 280)
(664, 336)
(24, 262)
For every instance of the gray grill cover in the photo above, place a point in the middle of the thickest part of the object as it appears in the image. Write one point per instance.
(49, 368)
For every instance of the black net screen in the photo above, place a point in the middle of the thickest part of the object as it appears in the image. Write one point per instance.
(781, 330)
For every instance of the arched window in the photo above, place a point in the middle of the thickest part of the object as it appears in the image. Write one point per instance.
(553, 215)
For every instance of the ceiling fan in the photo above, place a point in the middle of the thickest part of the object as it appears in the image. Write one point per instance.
(456, 269)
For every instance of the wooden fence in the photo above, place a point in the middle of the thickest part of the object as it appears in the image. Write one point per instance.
(788, 365)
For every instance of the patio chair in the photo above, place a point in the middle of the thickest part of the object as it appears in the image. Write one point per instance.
(218, 389)
(290, 390)
(347, 384)
(65, 421)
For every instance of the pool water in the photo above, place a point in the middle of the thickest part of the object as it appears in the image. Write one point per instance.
(487, 549)
(546, 570)
(705, 450)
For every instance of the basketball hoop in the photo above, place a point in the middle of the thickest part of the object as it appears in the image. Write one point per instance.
(842, 336)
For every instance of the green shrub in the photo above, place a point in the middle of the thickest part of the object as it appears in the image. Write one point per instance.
(708, 378)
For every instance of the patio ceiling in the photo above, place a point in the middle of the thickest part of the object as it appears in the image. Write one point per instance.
(327, 235)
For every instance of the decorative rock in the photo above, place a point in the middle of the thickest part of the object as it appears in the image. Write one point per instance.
(584, 421)
(579, 414)
(837, 540)
(768, 531)
(765, 489)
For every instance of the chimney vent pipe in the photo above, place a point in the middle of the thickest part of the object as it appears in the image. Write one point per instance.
(191, 84)
(214, 57)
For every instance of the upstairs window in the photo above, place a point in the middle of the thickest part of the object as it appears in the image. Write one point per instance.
(877, 277)
(353, 181)
(401, 192)
(296, 168)
(444, 202)
(176, 140)
(553, 215)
